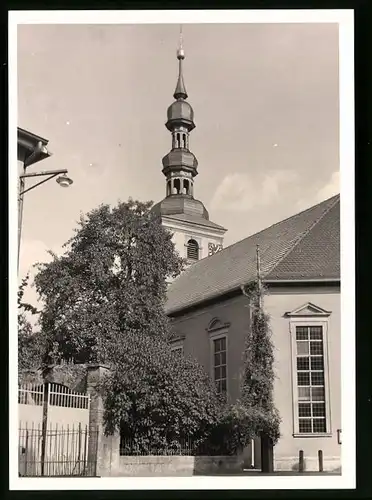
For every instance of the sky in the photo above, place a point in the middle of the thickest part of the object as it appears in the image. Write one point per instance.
(266, 104)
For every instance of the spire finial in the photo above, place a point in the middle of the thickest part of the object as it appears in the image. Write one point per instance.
(180, 51)
(180, 92)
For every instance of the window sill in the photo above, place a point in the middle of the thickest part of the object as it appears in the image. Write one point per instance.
(312, 435)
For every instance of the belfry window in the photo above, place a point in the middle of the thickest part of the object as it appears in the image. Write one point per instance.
(177, 186)
(184, 141)
(178, 142)
(186, 186)
(192, 250)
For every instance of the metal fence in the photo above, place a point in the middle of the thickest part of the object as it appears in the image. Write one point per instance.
(56, 452)
(56, 395)
(146, 447)
(31, 394)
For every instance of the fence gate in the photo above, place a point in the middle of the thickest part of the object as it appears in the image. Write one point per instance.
(56, 452)
(57, 441)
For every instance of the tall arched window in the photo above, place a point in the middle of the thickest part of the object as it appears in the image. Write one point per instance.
(177, 185)
(186, 186)
(192, 250)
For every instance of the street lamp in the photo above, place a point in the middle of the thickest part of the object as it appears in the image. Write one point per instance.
(64, 181)
(31, 153)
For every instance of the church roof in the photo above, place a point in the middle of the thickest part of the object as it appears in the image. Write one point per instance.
(193, 219)
(181, 204)
(304, 247)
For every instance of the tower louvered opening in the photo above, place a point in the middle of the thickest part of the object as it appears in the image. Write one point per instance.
(192, 250)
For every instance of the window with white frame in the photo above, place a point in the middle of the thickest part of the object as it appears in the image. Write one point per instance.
(218, 337)
(220, 364)
(310, 379)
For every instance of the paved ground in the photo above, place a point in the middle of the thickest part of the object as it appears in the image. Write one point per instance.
(284, 473)
(244, 473)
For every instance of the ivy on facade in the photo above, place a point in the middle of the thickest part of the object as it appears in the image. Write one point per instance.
(257, 383)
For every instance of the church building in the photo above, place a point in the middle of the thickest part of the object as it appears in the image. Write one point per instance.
(300, 268)
(195, 236)
(210, 314)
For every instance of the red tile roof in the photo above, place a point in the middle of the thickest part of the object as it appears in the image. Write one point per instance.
(305, 246)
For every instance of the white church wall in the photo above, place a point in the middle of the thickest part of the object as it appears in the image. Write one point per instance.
(203, 235)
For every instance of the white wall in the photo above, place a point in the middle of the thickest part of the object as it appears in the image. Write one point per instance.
(183, 232)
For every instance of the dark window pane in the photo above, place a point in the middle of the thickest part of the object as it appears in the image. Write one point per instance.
(223, 385)
(303, 363)
(303, 378)
(317, 378)
(317, 393)
(316, 348)
(317, 363)
(316, 333)
(223, 358)
(304, 410)
(302, 348)
(217, 373)
(217, 358)
(218, 385)
(223, 371)
(318, 410)
(223, 344)
(217, 345)
(305, 425)
(302, 333)
(319, 425)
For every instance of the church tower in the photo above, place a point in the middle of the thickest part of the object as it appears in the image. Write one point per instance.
(194, 235)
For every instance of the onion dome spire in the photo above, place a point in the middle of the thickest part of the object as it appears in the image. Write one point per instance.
(180, 92)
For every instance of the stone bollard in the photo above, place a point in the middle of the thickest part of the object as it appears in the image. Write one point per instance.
(301, 465)
(320, 460)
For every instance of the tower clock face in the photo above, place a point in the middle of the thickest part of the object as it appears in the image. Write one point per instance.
(214, 248)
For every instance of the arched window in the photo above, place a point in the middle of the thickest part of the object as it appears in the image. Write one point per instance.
(192, 250)
(186, 186)
(184, 141)
(177, 185)
(178, 142)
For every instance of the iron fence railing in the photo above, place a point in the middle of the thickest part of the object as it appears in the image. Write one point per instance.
(56, 451)
(146, 447)
(56, 395)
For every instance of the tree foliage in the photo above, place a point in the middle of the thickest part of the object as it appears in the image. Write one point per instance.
(104, 302)
(257, 387)
(110, 282)
(29, 342)
(156, 397)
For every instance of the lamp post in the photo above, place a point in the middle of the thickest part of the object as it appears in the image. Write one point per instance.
(63, 180)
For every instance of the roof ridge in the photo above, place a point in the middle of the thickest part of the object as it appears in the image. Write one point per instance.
(336, 197)
(283, 220)
(305, 233)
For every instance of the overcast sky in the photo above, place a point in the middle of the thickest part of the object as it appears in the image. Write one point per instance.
(266, 105)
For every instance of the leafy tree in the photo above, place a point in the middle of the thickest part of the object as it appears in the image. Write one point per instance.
(104, 302)
(110, 282)
(29, 347)
(156, 397)
(257, 388)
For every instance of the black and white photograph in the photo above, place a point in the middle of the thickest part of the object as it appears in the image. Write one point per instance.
(182, 210)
